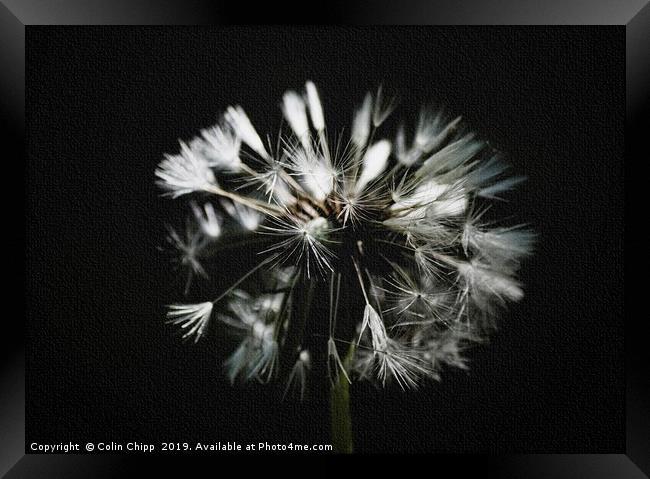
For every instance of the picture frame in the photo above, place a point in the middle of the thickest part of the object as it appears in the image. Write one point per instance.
(632, 16)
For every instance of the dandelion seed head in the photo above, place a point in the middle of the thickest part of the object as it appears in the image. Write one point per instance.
(390, 237)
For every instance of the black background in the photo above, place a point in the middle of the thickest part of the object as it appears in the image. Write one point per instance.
(103, 104)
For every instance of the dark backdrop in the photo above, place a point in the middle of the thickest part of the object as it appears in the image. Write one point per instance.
(104, 103)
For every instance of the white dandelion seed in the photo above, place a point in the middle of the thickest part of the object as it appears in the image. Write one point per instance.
(432, 198)
(304, 240)
(373, 164)
(497, 246)
(189, 249)
(399, 230)
(256, 355)
(298, 375)
(432, 131)
(405, 156)
(315, 107)
(192, 318)
(314, 174)
(383, 108)
(485, 284)
(238, 120)
(358, 207)
(219, 145)
(401, 364)
(295, 111)
(272, 183)
(248, 218)
(208, 220)
(361, 123)
(184, 173)
(372, 321)
(415, 299)
(448, 350)
(393, 363)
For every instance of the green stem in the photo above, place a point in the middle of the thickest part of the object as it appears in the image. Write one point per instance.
(340, 410)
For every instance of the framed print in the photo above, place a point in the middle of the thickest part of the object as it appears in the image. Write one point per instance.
(327, 240)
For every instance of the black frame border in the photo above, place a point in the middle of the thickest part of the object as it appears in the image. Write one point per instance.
(633, 15)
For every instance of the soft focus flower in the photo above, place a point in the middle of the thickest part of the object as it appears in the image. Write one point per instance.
(377, 260)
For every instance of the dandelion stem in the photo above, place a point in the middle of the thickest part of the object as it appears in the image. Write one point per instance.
(340, 410)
